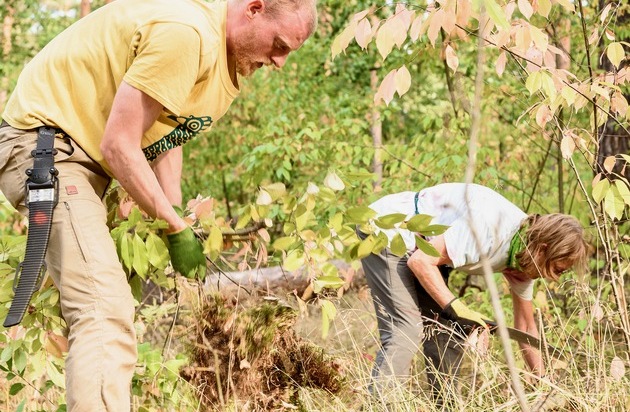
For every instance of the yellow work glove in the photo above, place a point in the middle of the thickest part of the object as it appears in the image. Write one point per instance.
(463, 316)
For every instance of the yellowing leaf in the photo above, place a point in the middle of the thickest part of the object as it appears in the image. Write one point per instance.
(567, 146)
(543, 115)
(214, 243)
(544, 7)
(451, 58)
(541, 40)
(615, 53)
(525, 8)
(496, 13)
(618, 103)
(533, 82)
(387, 88)
(385, 40)
(400, 24)
(417, 28)
(617, 369)
(547, 85)
(437, 20)
(332, 181)
(600, 190)
(500, 63)
(363, 33)
(613, 203)
(342, 41)
(569, 94)
(605, 12)
(264, 198)
(624, 191)
(566, 4)
(402, 79)
(609, 163)
(329, 312)
(312, 188)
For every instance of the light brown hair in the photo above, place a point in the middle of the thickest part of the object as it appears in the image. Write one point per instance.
(279, 8)
(550, 239)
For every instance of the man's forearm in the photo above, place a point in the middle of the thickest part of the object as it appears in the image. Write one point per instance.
(431, 280)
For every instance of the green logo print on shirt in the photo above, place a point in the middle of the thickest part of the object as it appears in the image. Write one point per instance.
(187, 128)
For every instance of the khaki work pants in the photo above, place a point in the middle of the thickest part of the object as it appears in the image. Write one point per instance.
(401, 303)
(96, 300)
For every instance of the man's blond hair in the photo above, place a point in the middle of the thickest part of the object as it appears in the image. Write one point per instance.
(279, 8)
(555, 237)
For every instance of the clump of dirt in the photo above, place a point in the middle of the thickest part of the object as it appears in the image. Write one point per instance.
(252, 356)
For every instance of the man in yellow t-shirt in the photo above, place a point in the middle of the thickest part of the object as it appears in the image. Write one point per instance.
(124, 88)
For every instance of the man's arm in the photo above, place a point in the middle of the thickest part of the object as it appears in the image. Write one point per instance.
(425, 268)
(168, 170)
(524, 320)
(133, 112)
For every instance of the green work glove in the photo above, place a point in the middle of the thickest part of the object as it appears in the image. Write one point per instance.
(187, 254)
(465, 318)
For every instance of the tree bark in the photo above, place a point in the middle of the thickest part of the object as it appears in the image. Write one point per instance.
(613, 139)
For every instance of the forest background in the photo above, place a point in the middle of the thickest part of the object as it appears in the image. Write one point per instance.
(527, 97)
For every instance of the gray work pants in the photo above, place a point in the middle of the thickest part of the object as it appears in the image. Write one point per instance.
(401, 303)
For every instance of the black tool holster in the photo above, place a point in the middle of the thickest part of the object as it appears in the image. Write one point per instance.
(41, 198)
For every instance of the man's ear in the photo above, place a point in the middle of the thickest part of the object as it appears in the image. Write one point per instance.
(254, 7)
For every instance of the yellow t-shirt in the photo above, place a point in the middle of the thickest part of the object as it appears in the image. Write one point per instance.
(172, 50)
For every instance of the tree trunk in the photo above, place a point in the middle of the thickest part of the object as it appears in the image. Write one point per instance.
(614, 139)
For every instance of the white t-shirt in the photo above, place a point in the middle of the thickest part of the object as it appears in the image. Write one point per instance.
(495, 221)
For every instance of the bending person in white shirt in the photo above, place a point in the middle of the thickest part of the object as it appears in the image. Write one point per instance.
(406, 289)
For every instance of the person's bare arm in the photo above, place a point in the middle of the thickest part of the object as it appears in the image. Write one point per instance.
(425, 268)
(168, 170)
(133, 112)
(524, 320)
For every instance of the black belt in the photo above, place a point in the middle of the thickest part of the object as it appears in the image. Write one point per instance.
(41, 199)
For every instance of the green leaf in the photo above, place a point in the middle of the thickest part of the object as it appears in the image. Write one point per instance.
(615, 53)
(366, 246)
(600, 190)
(624, 250)
(293, 261)
(135, 283)
(426, 247)
(157, 252)
(19, 360)
(140, 260)
(496, 13)
(419, 222)
(433, 230)
(329, 312)
(125, 251)
(244, 218)
(284, 243)
(613, 203)
(333, 282)
(16, 388)
(624, 191)
(214, 243)
(336, 222)
(398, 246)
(360, 214)
(390, 221)
(533, 82)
